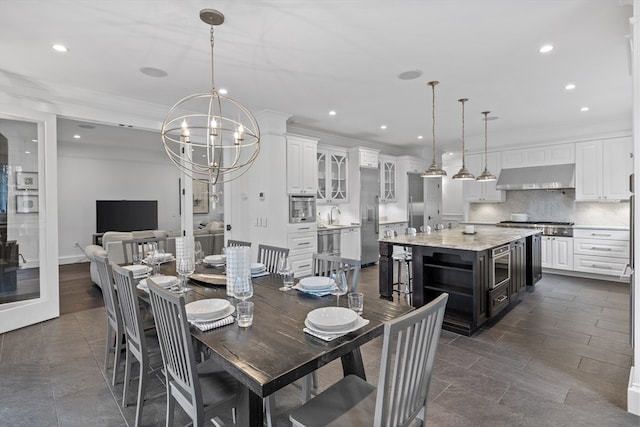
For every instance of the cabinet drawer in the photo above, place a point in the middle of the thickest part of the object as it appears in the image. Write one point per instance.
(302, 264)
(498, 299)
(601, 248)
(582, 233)
(302, 228)
(298, 242)
(599, 265)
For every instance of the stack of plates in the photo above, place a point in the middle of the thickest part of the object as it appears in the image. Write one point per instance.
(139, 270)
(163, 281)
(333, 320)
(208, 310)
(159, 258)
(215, 260)
(257, 268)
(316, 285)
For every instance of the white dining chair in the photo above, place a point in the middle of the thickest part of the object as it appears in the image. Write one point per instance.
(270, 256)
(408, 353)
(141, 345)
(136, 249)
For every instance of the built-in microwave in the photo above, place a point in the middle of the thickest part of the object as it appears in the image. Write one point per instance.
(302, 209)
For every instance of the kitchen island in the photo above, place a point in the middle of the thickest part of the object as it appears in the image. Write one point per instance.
(484, 273)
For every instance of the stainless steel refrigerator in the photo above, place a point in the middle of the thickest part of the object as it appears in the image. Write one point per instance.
(369, 219)
(415, 200)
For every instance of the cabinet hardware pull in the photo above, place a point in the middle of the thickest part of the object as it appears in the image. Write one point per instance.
(595, 248)
(304, 266)
(304, 228)
(601, 234)
(501, 298)
(606, 267)
(304, 243)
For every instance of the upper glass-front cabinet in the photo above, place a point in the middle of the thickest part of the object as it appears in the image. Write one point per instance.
(332, 176)
(387, 180)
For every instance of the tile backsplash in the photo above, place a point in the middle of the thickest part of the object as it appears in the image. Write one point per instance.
(554, 205)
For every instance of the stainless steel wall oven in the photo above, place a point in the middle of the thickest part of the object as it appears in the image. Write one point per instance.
(500, 266)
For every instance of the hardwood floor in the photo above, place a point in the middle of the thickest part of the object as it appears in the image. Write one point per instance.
(560, 358)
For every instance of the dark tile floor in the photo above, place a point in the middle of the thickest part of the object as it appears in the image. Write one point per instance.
(559, 358)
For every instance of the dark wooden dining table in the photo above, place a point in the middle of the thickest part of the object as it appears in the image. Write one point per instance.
(275, 351)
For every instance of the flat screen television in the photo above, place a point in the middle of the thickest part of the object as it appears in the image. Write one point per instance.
(126, 215)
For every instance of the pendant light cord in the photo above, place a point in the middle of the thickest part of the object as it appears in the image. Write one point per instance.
(486, 113)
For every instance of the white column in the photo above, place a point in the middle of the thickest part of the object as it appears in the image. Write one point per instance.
(633, 392)
(186, 202)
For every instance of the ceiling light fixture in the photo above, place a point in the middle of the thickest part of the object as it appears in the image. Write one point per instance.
(223, 91)
(546, 48)
(463, 174)
(332, 113)
(60, 48)
(570, 86)
(76, 136)
(213, 125)
(486, 175)
(420, 137)
(584, 109)
(433, 171)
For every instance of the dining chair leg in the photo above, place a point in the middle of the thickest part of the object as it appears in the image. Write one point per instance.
(107, 345)
(171, 405)
(142, 385)
(127, 378)
(307, 385)
(119, 346)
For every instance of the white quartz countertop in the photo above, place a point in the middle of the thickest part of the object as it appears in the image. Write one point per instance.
(325, 227)
(485, 237)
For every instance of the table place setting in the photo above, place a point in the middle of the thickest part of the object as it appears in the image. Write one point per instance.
(318, 286)
(166, 282)
(215, 260)
(258, 269)
(139, 271)
(211, 313)
(329, 323)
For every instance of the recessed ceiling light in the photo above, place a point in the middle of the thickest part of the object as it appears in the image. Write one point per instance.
(153, 72)
(76, 136)
(545, 48)
(34, 140)
(420, 137)
(27, 152)
(223, 91)
(570, 86)
(410, 75)
(60, 48)
(383, 127)
(332, 113)
(584, 109)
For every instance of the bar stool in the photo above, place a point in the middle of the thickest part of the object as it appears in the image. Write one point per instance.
(403, 261)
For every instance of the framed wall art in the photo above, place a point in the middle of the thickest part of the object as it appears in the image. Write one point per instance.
(26, 204)
(200, 197)
(26, 180)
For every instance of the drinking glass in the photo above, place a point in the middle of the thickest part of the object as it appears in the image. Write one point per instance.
(184, 267)
(243, 289)
(340, 280)
(154, 258)
(286, 270)
(198, 252)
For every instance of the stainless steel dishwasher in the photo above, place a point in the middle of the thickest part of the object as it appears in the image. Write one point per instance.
(329, 242)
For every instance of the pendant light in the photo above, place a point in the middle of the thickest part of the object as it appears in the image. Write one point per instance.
(485, 175)
(434, 171)
(463, 174)
(210, 137)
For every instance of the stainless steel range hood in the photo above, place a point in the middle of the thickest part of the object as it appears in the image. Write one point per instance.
(537, 178)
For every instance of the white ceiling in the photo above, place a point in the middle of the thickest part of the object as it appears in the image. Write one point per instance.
(306, 57)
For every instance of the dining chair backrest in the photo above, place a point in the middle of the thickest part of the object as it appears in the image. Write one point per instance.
(270, 256)
(326, 265)
(141, 247)
(408, 354)
(232, 243)
(177, 349)
(130, 309)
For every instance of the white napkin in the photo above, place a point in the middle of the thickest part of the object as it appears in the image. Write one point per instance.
(330, 337)
(260, 274)
(206, 326)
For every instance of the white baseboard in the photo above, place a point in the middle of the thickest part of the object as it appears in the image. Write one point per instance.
(72, 259)
(633, 393)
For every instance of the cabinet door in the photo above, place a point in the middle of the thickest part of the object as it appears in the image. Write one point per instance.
(546, 252)
(617, 165)
(588, 171)
(563, 253)
(350, 243)
(338, 177)
(321, 166)
(309, 171)
(388, 181)
(294, 167)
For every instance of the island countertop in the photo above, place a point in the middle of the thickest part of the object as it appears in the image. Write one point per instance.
(485, 237)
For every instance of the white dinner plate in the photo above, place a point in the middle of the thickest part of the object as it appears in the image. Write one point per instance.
(317, 283)
(257, 267)
(359, 323)
(138, 269)
(215, 259)
(162, 281)
(315, 292)
(206, 309)
(332, 319)
(227, 312)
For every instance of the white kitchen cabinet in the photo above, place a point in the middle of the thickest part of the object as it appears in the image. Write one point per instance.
(350, 243)
(603, 169)
(302, 241)
(301, 165)
(600, 251)
(367, 158)
(387, 179)
(331, 169)
(538, 156)
(557, 252)
(482, 192)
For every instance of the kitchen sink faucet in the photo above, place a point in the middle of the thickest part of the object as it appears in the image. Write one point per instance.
(331, 214)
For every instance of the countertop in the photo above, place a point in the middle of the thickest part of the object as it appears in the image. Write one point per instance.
(327, 227)
(486, 237)
(388, 221)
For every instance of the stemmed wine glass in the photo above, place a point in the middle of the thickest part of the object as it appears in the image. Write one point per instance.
(184, 267)
(243, 289)
(286, 270)
(153, 258)
(340, 280)
(198, 252)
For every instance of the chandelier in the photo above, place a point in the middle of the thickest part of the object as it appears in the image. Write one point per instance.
(433, 171)
(210, 137)
(463, 174)
(485, 175)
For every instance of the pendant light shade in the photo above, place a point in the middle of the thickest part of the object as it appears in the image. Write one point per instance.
(433, 171)
(463, 174)
(210, 137)
(485, 175)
